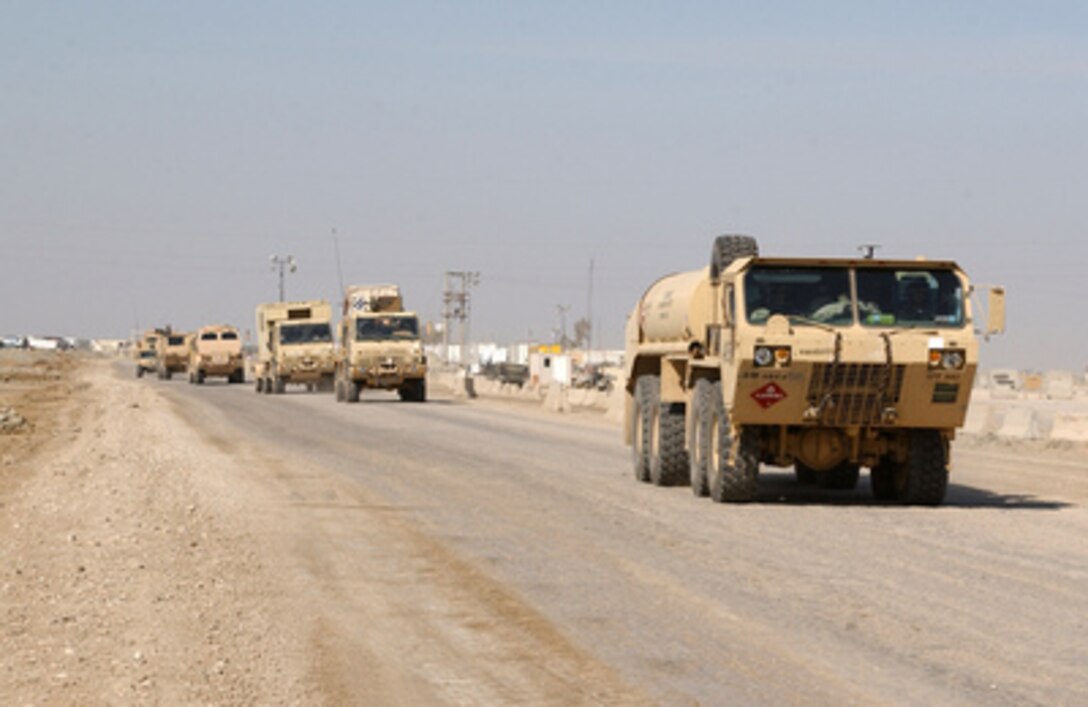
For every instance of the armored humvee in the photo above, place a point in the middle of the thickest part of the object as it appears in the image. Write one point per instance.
(216, 350)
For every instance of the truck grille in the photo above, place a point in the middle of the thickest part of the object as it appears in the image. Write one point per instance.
(854, 393)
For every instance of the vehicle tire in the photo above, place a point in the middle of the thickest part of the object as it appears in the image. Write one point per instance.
(926, 479)
(805, 473)
(167, 374)
(882, 479)
(260, 385)
(279, 385)
(645, 428)
(352, 391)
(733, 462)
(338, 388)
(726, 249)
(841, 478)
(701, 400)
(200, 377)
(139, 372)
(670, 466)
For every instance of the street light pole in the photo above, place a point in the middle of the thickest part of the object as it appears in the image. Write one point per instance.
(284, 264)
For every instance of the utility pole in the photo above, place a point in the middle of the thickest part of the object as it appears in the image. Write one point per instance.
(456, 306)
(589, 313)
(284, 264)
(562, 309)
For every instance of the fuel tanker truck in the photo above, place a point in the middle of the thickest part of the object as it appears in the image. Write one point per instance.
(827, 365)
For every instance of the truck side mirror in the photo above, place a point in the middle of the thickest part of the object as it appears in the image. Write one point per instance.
(995, 311)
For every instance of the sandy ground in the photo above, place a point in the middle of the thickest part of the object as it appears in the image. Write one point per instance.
(162, 543)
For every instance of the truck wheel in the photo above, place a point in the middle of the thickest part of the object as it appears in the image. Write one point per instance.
(726, 249)
(352, 391)
(841, 478)
(670, 467)
(882, 480)
(805, 473)
(645, 432)
(260, 385)
(200, 377)
(926, 477)
(339, 386)
(733, 460)
(139, 372)
(280, 385)
(167, 374)
(698, 451)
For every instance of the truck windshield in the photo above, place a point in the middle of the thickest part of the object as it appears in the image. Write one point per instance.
(305, 334)
(379, 328)
(910, 298)
(799, 293)
(176, 340)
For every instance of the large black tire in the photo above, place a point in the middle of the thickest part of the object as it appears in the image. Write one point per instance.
(644, 433)
(669, 467)
(734, 463)
(926, 478)
(199, 377)
(841, 478)
(260, 384)
(139, 372)
(279, 385)
(167, 374)
(882, 479)
(698, 448)
(726, 249)
(352, 391)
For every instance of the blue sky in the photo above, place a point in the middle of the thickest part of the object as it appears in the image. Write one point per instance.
(155, 154)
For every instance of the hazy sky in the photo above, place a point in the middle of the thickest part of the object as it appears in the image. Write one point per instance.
(154, 154)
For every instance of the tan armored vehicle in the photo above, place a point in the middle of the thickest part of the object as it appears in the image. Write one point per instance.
(146, 352)
(824, 364)
(294, 345)
(380, 346)
(173, 354)
(216, 351)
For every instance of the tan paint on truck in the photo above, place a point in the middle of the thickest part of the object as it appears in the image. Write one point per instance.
(216, 350)
(380, 345)
(294, 345)
(813, 362)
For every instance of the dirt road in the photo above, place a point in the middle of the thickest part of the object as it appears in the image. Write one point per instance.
(176, 543)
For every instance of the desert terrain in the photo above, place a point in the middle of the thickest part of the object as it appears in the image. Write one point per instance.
(164, 543)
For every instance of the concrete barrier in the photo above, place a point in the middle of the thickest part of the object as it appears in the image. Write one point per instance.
(556, 400)
(980, 420)
(1070, 427)
(1020, 423)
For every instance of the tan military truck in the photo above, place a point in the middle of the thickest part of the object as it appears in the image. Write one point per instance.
(216, 350)
(294, 345)
(173, 354)
(146, 352)
(380, 346)
(824, 364)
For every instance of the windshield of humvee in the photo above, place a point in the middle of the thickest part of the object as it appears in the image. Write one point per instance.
(383, 328)
(886, 297)
(305, 334)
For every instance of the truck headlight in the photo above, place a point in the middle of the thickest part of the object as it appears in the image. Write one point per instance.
(764, 356)
(947, 359)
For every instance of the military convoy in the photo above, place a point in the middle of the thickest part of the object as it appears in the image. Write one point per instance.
(294, 346)
(216, 351)
(380, 345)
(824, 364)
